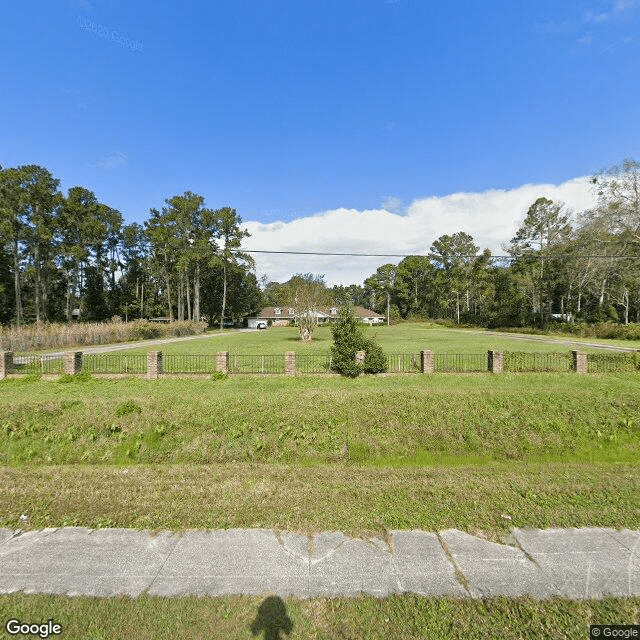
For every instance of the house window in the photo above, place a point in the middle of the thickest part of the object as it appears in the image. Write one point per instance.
(291, 312)
(277, 311)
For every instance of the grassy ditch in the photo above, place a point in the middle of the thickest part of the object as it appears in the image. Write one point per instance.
(402, 617)
(307, 454)
(399, 421)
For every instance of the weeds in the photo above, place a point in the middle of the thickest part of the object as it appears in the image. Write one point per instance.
(127, 407)
(308, 420)
(53, 336)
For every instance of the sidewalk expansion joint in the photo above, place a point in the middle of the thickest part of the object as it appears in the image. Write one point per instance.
(178, 539)
(515, 543)
(457, 572)
(634, 551)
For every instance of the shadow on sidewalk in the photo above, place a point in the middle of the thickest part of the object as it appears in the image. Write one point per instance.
(271, 619)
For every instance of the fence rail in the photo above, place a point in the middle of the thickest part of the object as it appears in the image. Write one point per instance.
(459, 362)
(256, 364)
(313, 363)
(613, 362)
(523, 361)
(509, 361)
(403, 362)
(189, 363)
(39, 364)
(114, 363)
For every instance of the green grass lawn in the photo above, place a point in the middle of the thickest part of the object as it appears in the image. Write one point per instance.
(375, 453)
(383, 421)
(402, 338)
(307, 454)
(403, 617)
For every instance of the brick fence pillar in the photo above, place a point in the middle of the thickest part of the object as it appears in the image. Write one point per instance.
(290, 363)
(495, 361)
(6, 363)
(426, 361)
(73, 362)
(222, 361)
(579, 362)
(155, 365)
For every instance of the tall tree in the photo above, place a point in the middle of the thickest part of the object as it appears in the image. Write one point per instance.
(382, 283)
(416, 275)
(545, 227)
(135, 277)
(161, 231)
(182, 238)
(186, 212)
(353, 295)
(11, 230)
(78, 211)
(618, 192)
(243, 294)
(231, 236)
(455, 256)
(40, 202)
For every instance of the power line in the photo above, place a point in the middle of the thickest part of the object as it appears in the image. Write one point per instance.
(421, 255)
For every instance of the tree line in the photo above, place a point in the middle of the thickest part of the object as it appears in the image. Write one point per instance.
(67, 255)
(560, 264)
(60, 253)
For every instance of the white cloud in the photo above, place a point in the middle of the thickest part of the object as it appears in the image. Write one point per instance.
(112, 161)
(491, 217)
(617, 9)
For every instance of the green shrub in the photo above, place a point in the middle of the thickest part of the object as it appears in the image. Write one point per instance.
(219, 375)
(374, 360)
(127, 407)
(348, 339)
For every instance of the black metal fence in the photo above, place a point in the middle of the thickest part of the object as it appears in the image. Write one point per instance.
(114, 363)
(459, 362)
(522, 361)
(39, 365)
(514, 361)
(313, 363)
(256, 363)
(613, 362)
(189, 363)
(403, 362)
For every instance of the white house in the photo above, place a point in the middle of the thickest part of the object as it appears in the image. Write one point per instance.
(284, 316)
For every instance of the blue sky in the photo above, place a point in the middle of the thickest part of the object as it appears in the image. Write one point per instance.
(324, 114)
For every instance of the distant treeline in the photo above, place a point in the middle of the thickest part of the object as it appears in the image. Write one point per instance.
(66, 257)
(577, 266)
(60, 254)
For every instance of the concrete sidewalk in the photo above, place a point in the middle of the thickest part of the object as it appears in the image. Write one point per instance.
(576, 563)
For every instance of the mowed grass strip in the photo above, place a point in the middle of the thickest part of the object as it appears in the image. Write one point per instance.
(360, 501)
(395, 421)
(404, 617)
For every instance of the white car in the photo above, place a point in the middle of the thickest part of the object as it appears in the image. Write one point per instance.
(261, 325)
